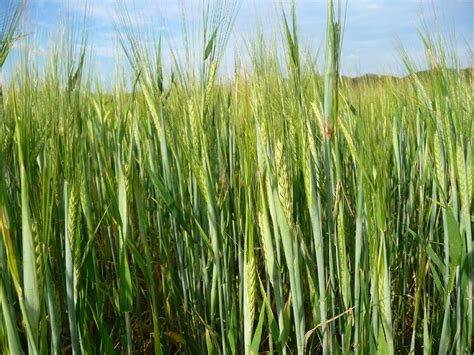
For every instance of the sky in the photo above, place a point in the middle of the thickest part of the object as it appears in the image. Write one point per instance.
(374, 29)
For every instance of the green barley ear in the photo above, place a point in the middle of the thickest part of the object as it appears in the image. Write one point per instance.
(251, 278)
(195, 129)
(263, 135)
(284, 188)
(439, 161)
(307, 176)
(293, 138)
(250, 289)
(319, 117)
(72, 214)
(461, 171)
(8, 27)
(210, 85)
(262, 142)
(39, 258)
(348, 138)
(70, 274)
(261, 229)
(198, 163)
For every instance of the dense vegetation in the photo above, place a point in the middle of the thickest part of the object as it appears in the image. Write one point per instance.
(281, 211)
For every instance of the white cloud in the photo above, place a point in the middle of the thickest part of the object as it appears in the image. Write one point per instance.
(371, 30)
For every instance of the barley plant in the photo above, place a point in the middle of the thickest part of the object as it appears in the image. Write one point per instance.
(282, 211)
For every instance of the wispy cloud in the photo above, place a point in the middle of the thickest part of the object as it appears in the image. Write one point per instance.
(373, 27)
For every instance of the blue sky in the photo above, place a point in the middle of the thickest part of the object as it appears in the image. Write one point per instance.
(374, 28)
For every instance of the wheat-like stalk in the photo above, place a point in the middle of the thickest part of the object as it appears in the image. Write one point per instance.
(259, 208)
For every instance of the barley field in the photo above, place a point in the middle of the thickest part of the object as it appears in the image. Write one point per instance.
(285, 210)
